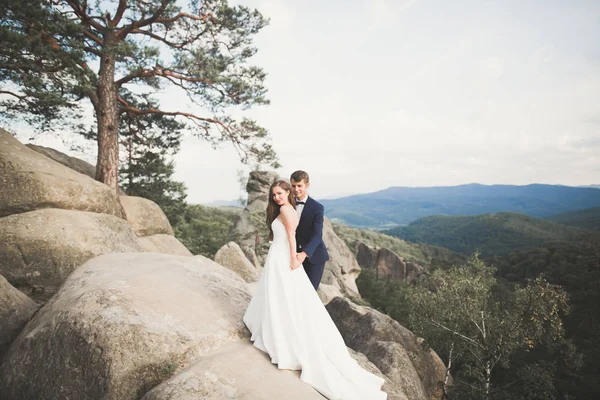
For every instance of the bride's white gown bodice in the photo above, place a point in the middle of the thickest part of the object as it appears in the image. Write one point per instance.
(288, 321)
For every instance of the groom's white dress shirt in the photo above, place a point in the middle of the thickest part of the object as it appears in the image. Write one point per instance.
(300, 207)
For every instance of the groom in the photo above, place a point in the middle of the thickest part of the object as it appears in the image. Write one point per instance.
(309, 234)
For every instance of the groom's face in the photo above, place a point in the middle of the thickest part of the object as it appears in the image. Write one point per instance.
(299, 188)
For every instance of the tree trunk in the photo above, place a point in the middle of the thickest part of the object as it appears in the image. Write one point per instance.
(108, 121)
(488, 379)
(447, 374)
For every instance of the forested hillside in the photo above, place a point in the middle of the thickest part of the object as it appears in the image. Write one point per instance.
(587, 219)
(489, 234)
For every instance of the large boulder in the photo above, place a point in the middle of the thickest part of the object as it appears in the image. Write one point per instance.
(15, 310)
(413, 271)
(39, 249)
(83, 167)
(123, 323)
(31, 181)
(246, 228)
(392, 348)
(366, 256)
(231, 256)
(342, 264)
(74, 163)
(394, 392)
(145, 216)
(258, 189)
(386, 263)
(328, 292)
(165, 244)
(238, 371)
(224, 375)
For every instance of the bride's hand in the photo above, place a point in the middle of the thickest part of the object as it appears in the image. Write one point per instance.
(294, 263)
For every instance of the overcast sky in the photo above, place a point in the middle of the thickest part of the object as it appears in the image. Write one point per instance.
(367, 94)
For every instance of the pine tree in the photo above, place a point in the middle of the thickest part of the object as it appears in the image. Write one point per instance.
(149, 143)
(56, 53)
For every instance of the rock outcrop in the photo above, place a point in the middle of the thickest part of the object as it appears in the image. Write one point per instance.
(386, 263)
(39, 249)
(165, 244)
(145, 216)
(31, 181)
(231, 256)
(238, 371)
(83, 167)
(342, 268)
(246, 230)
(140, 325)
(328, 292)
(132, 324)
(258, 186)
(15, 310)
(123, 323)
(393, 349)
(74, 163)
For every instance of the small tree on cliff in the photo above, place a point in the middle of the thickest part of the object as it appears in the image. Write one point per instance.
(57, 52)
(460, 313)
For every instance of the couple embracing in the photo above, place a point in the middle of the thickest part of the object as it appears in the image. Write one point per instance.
(286, 316)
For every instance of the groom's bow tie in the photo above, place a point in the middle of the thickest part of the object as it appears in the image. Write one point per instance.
(300, 202)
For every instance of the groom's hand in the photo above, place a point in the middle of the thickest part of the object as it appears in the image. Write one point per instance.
(301, 257)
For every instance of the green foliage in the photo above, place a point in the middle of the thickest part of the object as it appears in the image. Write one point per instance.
(576, 267)
(460, 313)
(42, 53)
(204, 230)
(261, 233)
(385, 295)
(586, 219)
(566, 256)
(490, 234)
(148, 144)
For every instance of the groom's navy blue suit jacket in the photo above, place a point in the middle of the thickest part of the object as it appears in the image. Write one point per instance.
(309, 233)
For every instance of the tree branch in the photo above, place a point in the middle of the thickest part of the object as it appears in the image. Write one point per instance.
(90, 35)
(119, 14)
(80, 12)
(166, 73)
(124, 31)
(194, 118)
(21, 98)
(463, 337)
(163, 39)
(186, 15)
(92, 50)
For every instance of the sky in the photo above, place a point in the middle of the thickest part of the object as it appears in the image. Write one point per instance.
(368, 94)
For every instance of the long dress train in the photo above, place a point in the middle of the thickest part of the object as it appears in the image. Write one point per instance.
(289, 322)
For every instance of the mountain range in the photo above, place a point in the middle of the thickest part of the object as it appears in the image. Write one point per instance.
(401, 205)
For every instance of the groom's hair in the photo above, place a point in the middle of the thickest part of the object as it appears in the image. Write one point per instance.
(297, 176)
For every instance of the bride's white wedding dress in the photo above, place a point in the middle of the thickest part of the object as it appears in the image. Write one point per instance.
(288, 321)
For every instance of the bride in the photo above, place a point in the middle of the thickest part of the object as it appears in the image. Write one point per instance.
(288, 321)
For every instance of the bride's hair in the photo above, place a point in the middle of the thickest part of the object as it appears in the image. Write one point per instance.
(273, 209)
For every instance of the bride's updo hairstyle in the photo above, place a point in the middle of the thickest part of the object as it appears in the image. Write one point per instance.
(273, 209)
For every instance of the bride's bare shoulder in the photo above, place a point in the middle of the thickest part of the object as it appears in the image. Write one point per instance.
(288, 213)
(287, 210)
